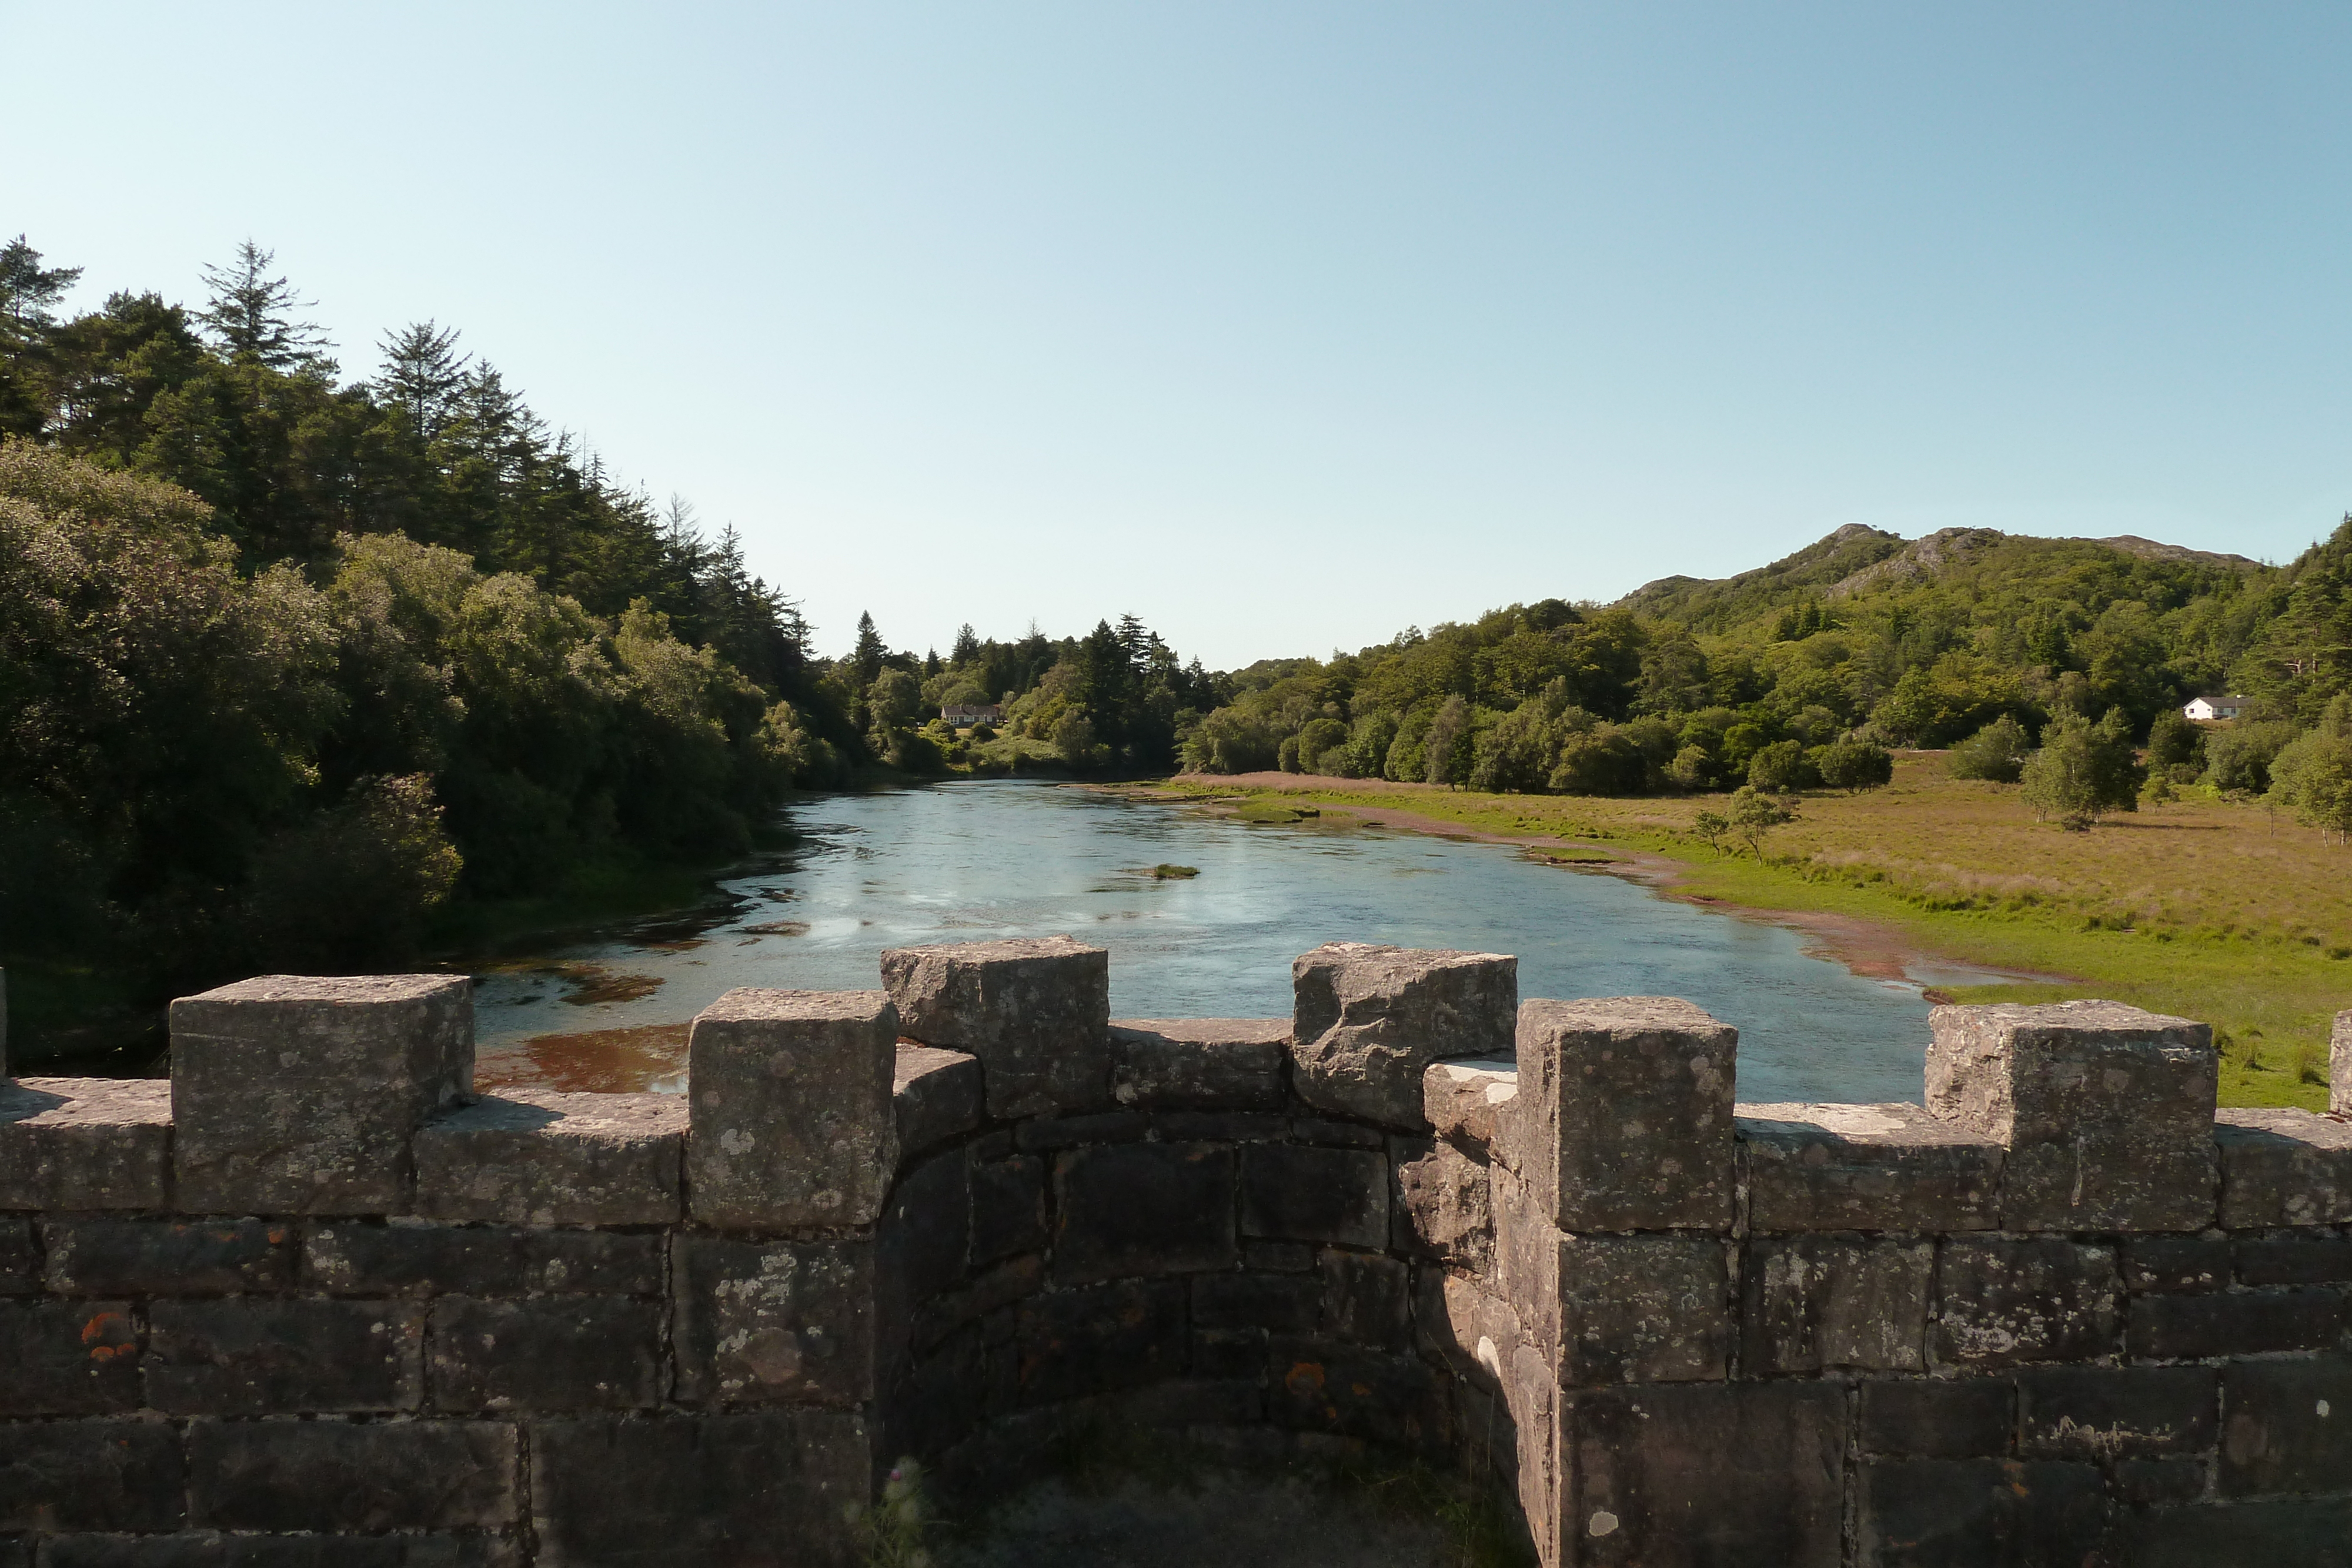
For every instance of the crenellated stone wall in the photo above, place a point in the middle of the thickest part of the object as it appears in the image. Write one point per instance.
(315, 1302)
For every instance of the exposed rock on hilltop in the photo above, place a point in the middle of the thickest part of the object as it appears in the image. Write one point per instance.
(1712, 604)
(1929, 557)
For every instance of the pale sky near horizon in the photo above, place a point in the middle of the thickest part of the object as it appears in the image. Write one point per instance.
(1283, 326)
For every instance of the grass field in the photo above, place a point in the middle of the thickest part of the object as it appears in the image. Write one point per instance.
(2213, 910)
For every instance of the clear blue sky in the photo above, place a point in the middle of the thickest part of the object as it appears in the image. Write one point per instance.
(1284, 327)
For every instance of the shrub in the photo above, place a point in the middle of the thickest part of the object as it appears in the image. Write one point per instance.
(2081, 772)
(1997, 752)
(2173, 740)
(1782, 767)
(1853, 765)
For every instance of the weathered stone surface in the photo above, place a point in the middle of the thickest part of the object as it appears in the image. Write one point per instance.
(269, 1357)
(295, 1094)
(1623, 1121)
(1644, 1309)
(2166, 1265)
(335, 1474)
(761, 1322)
(766, 1486)
(1295, 1194)
(2106, 1110)
(569, 1353)
(1527, 1262)
(1352, 1392)
(91, 1475)
(2283, 1167)
(1143, 1208)
(168, 1257)
(2236, 1322)
(1008, 1207)
(2319, 1259)
(79, 1145)
(1218, 1127)
(1443, 1205)
(2286, 1427)
(1102, 1337)
(926, 1234)
(215, 1549)
(790, 1101)
(992, 1289)
(1939, 1417)
(67, 1358)
(2310, 1532)
(1367, 1299)
(539, 1157)
(2006, 1303)
(1462, 1099)
(1368, 1020)
(1051, 1134)
(349, 1258)
(1704, 1474)
(935, 1096)
(1960, 1514)
(1461, 1323)
(2339, 1069)
(1324, 1133)
(1035, 1012)
(2109, 1413)
(20, 1257)
(1819, 1303)
(1222, 1064)
(1292, 1303)
(1865, 1168)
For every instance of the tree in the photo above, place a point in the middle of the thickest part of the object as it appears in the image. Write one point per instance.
(1853, 765)
(966, 646)
(423, 376)
(1782, 767)
(2314, 775)
(2172, 740)
(28, 289)
(865, 658)
(1997, 752)
(1754, 814)
(253, 314)
(1711, 826)
(1448, 744)
(2082, 772)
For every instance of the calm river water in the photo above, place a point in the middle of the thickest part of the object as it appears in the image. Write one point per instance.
(970, 860)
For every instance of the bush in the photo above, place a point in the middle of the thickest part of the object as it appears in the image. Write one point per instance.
(350, 889)
(1782, 767)
(2172, 740)
(2314, 775)
(1997, 752)
(2082, 772)
(1853, 765)
(2239, 757)
(1604, 762)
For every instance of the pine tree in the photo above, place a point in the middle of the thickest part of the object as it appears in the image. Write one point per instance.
(423, 375)
(966, 646)
(253, 316)
(865, 659)
(28, 289)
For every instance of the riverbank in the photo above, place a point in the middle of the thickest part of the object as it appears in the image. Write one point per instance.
(2212, 911)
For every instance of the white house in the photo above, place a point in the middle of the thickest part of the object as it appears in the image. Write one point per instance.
(2214, 707)
(965, 715)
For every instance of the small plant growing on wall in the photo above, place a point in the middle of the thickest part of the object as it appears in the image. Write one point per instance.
(889, 1534)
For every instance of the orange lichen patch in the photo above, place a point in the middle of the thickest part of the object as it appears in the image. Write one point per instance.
(596, 1062)
(1305, 1379)
(108, 1335)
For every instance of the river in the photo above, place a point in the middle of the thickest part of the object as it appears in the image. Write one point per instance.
(967, 861)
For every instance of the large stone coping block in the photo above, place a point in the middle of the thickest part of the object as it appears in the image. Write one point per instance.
(298, 1094)
(1865, 1168)
(1209, 1064)
(2106, 1110)
(790, 1122)
(1464, 1099)
(1368, 1020)
(2283, 1167)
(936, 1096)
(79, 1145)
(1036, 1011)
(540, 1157)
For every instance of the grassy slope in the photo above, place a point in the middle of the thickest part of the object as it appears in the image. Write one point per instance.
(2211, 911)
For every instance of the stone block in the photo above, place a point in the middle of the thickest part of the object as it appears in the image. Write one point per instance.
(1367, 1299)
(1290, 1192)
(1939, 1417)
(214, 1549)
(1287, 1303)
(85, 1145)
(1218, 1127)
(1324, 1133)
(2106, 1110)
(2145, 1483)
(790, 1105)
(1623, 1121)
(1527, 1249)
(91, 1475)
(1100, 1338)
(20, 1257)
(926, 1233)
(2236, 1322)
(1865, 1168)
(2295, 1260)
(554, 1353)
(1368, 1020)
(751, 1487)
(2339, 1065)
(345, 1258)
(1442, 1204)
(2283, 1167)
(1815, 1303)
(1348, 1391)
(2169, 1265)
(761, 1322)
(1704, 1474)
(992, 1290)
(1644, 1309)
(1054, 1134)
(2110, 1413)
(2008, 1302)
(1277, 1257)
(2288, 1426)
(1464, 1099)
(169, 1256)
(1008, 1207)
(295, 1094)
(935, 1096)
(1143, 1208)
(1210, 1064)
(67, 1358)
(1961, 1513)
(1037, 1012)
(341, 1475)
(534, 1156)
(283, 1357)
(2309, 1533)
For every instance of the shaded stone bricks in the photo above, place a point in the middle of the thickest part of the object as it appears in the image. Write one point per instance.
(792, 1121)
(1037, 1012)
(1939, 1417)
(1622, 1119)
(2309, 1533)
(760, 1322)
(1706, 1474)
(2286, 1427)
(1143, 1208)
(295, 1094)
(217, 1548)
(1816, 1302)
(539, 1157)
(2236, 1322)
(85, 1144)
(568, 1353)
(2005, 1302)
(1644, 1309)
(1216, 1064)
(263, 1357)
(1442, 1204)
(1960, 1514)
(67, 1358)
(1285, 1303)
(1293, 1193)
(20, 1258)
(91, 1475)
(1366, 1021)
(1008, 1207)
(1356, 1392)
(351, 1259)
(1865, 1168)
(2283, 1167)
(2295, 1260)
(2106, 1110)
(1100, 1337)
(1464, 1099)
(2108, 1413)
(935, 1096)
(687, 1491)
(926, 1231)
(2164, 1264)
(338, 1476)
(158, 1257)
(1366, 1299)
